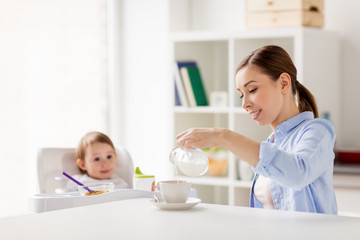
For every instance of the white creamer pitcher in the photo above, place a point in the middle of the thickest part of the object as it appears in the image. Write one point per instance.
(190, 162)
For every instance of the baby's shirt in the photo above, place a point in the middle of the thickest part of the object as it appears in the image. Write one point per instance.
(86, 180)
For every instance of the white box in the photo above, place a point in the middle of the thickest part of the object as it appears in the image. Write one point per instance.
(218, 99)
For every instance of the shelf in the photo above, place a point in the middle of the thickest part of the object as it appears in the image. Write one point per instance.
(211, 181)
(349, 181)
(218, 53)
(347, 168)
(243, 184)
(217, 42)
(218, 181)
(194, 36)
(200, 110)
(238, 110)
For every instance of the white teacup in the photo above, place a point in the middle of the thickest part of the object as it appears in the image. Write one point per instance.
(174, 191)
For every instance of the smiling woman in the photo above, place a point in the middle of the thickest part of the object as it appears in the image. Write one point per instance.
(293, 168)
(53, 83)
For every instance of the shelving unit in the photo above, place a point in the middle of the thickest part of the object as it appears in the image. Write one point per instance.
(315, 53)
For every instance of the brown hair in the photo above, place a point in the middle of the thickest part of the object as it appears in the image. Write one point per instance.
(90, 138)
(273, 61)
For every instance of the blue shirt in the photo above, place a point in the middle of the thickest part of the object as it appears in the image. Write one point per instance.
(300, 165)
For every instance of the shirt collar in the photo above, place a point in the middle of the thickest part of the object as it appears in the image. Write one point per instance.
(293, 122)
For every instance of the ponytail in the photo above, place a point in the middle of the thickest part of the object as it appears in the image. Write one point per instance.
(306, 101)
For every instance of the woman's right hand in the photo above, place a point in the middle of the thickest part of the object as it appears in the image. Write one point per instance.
(243, 147)
(200, 138)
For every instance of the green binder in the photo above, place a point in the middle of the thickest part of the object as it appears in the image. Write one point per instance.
(197, 86)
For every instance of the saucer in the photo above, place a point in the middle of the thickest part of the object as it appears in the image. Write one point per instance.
(190, 202)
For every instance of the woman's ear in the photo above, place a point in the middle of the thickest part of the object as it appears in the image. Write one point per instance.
(81, 164)
(285, 81)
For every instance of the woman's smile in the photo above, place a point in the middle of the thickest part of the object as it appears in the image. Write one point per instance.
(255, 114)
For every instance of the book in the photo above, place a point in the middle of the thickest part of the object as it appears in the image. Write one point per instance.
(197, 86)
(177, 98)
(183, 101)
(181, 64)
(187, 86)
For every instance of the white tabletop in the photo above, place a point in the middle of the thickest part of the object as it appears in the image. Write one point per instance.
(139, 219)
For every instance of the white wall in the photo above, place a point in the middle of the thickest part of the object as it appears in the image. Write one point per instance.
(146, 83)
(343, 17)
(52, 85)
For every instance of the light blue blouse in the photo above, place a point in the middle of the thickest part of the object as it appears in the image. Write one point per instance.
(300, 165)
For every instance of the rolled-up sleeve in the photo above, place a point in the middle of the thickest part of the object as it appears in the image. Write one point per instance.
(301, 157)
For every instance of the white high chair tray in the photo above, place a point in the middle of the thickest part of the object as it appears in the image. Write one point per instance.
(49, 202)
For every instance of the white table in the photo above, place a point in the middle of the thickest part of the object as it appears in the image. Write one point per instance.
(139, 219)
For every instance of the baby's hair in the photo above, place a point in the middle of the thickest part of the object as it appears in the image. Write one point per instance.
(89, 139)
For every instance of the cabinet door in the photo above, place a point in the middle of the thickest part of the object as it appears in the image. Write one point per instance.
(348, 200)
(347, 190)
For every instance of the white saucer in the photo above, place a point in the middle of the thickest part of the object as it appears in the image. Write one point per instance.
(190, 202)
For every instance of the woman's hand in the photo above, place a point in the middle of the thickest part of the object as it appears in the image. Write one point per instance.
(246, 148)
(200, 138)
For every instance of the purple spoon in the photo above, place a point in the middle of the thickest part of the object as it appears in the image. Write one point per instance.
(77, 182)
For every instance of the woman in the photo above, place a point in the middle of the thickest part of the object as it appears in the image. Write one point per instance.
(294, 167)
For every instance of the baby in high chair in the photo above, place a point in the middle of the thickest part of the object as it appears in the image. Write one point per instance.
(96, 159)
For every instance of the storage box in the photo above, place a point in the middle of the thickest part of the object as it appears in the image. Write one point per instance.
(348, 156)
(285, 13)
(218, 161)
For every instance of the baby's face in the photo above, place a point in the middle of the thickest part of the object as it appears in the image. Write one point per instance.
(100, 160)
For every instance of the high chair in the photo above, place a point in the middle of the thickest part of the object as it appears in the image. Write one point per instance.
(51, 162)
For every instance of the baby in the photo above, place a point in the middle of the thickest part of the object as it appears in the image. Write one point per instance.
(96, 159)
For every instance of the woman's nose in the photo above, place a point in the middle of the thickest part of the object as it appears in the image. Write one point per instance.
(245, 103)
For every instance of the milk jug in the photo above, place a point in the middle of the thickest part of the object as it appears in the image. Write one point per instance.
(190, 162)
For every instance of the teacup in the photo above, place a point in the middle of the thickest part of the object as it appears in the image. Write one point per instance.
(174, 191)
